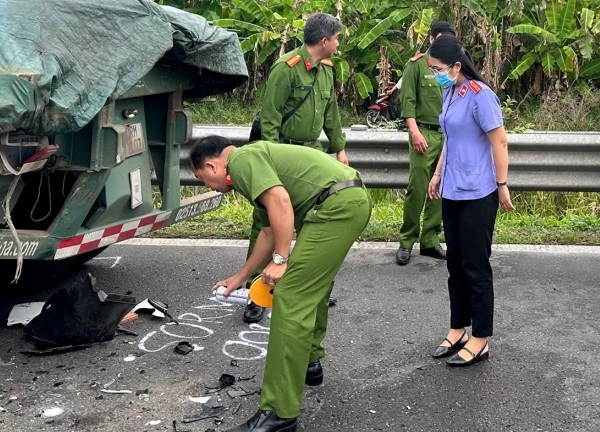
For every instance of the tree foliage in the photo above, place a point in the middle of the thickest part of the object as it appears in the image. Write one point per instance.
(522, 47)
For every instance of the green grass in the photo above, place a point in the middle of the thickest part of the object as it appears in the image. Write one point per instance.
(540, 218)
(579, 224)
(232, 111)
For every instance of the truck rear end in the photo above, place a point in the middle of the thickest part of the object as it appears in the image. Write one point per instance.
(68, 191)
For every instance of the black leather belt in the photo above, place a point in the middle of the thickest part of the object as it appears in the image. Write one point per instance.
(302, 143)
(338, 187)
(434, 128)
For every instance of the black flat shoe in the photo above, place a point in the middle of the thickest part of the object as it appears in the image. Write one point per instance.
(403, 256)
(314, 374)
(267, 421)
(434, 252)
(458, 361)
(253, 313)
(445, 351)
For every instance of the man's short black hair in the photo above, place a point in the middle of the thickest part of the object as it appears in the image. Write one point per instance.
(319, 26)
(442, 27)
(209, 147)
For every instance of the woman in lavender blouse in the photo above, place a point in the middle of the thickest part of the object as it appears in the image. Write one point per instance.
(471, 179)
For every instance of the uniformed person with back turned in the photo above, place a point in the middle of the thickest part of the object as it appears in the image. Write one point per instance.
(291, 187)
(421, 102)
(300, 102)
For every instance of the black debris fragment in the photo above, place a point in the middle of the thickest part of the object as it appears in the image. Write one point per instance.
(184, 348)
(246, 378)
(176, 429)
(55, 350)
(206, 413)
(226, 380)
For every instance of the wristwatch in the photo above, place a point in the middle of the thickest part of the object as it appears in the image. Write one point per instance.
(279, 259)
(501, 184)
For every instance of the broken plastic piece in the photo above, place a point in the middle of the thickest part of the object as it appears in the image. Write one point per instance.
(175, 429)
(226, 380)
(23, 313)
(79, 314)
(202, 399)
(52, 412)
(184, 348)
(145, 305)
(56, 350)
(207, 412)
(115, 391)
(162, 307)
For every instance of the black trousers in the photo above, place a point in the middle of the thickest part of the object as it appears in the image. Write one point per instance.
(468, 230)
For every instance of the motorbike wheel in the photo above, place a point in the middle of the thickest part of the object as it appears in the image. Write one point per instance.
(373, 117)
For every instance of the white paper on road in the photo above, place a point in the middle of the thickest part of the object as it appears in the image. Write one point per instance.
(24, 312)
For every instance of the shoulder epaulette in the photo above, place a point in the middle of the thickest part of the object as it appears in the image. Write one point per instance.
(293, 60)
(327, 62)
(475, 86)
(416, 57)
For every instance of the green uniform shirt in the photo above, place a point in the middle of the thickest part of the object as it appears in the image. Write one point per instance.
(421, 95)
(286, 87)
(304, 173)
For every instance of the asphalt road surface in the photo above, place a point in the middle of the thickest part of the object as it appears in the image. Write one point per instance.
(543, 373)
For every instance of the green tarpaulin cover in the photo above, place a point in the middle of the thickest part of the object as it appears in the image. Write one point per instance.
(61, 61)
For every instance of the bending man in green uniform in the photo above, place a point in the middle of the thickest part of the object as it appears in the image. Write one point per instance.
(300, 102)
(421, 102)
(291, 187)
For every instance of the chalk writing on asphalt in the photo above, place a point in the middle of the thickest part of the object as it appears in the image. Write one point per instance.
(201, 324)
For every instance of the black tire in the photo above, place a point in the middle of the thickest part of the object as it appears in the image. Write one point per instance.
(373, 117)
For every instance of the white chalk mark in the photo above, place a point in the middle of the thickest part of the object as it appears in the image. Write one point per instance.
(175, 335)
(116, 259)
(230, 343)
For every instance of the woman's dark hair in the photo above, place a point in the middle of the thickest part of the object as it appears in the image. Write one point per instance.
(448, 49)
(207, 148)
(319, 26)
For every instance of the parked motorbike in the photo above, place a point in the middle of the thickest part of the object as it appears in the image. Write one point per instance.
(384, 110)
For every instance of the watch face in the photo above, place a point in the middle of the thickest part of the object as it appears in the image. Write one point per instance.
(278, 259)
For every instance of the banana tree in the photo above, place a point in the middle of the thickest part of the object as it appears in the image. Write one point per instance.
(370, 25)
(563, 44)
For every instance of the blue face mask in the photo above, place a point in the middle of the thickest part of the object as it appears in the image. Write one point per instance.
(444, 80)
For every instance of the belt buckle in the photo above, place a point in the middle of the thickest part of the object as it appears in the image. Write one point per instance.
(322, 197)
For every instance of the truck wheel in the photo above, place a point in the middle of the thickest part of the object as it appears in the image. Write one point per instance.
(373, 117)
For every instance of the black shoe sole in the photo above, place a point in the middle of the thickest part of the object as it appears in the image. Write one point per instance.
(290, 428)
(253, 320)
(314, 380)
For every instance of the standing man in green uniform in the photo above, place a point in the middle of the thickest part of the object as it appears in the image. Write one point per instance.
(291, 187)
(421, 104)
(300, 102)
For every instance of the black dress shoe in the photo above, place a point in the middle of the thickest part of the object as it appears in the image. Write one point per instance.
(435, 252)
(403, 256)
(253, 313)
(445, 351)
(314, 374)
(267, 421)
(458, 361)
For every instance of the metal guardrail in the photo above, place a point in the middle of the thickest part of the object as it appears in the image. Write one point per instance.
(539, 161)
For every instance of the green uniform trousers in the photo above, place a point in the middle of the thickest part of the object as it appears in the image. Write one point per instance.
(301, 297)
(422, 167)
